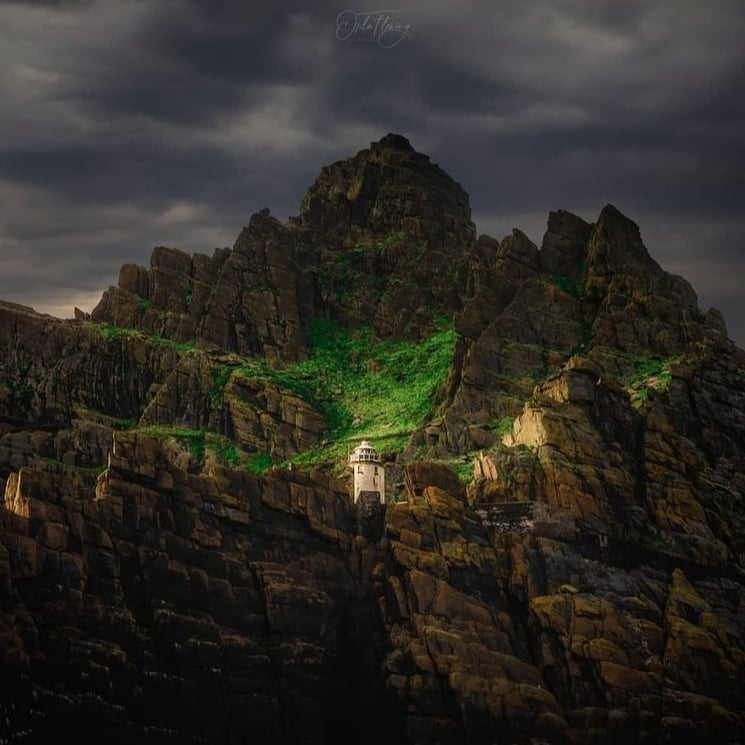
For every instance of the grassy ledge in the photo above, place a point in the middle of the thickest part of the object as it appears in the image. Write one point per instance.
(376, 390)
(365, 389)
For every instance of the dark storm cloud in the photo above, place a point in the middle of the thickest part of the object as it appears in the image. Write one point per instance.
(182, 67)
(59, 4)
(236, 42)
(129, 124)
(144, 170)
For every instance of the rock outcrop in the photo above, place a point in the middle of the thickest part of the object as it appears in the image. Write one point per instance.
(381, 237)
(393, 232)
(177, 565)
(251, 300)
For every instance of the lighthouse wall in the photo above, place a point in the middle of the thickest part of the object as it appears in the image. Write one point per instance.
(369, 477)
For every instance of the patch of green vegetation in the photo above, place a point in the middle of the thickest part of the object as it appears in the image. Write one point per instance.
(464, 471)
(179, 346)
(220, 375)
(504, 426)
(194, 439)
(381, 391)
(664, 378)
(196, 447)
(638, 397)
(116, 332)
(399, 386)
(389, 241)
(648, 372)
(114, 422)
(200, 442)
(143, 302)
(364, 389)
(650, 369)
(109, 331)
(260, 463)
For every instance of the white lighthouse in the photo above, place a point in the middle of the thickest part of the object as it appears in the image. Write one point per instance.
(369, 473)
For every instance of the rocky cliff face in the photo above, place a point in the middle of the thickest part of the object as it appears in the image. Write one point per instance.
(381, 237)
(167, 574)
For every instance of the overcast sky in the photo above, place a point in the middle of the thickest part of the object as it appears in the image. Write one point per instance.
(126, 124)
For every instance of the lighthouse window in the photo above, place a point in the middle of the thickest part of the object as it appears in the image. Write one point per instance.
(376, 470)
(359, 469)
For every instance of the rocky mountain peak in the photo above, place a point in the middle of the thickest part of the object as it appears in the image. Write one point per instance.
(388, 186)
(617, 242)
(393, 233)
(640, 307)
(564, 243)
(382, 238)
(394, 142)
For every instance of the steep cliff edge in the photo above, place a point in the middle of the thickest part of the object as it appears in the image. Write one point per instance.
(180, 560)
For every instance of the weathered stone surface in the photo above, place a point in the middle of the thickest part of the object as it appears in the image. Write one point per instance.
(263, 417)
(563, 247)
(252, 299)
(154, 588)
(381, 238)
(393, 233)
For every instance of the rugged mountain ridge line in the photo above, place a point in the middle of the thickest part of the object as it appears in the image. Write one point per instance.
(180, 559)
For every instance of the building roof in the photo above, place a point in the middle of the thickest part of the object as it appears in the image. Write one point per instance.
(364, 452)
